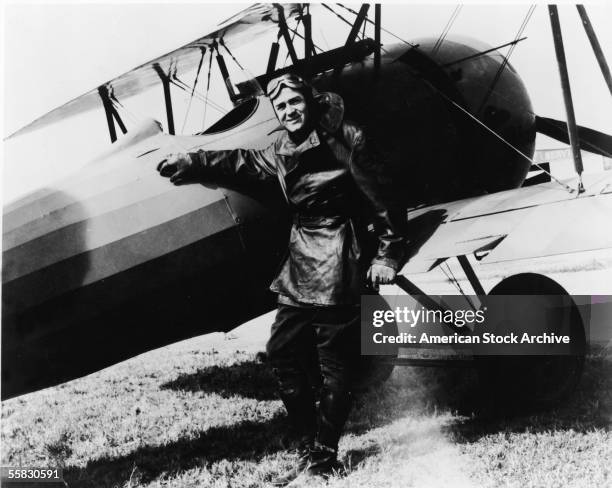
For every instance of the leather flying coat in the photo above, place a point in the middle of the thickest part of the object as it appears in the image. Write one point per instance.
(335, 187)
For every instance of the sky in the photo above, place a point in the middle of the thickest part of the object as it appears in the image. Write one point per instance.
(52, 53)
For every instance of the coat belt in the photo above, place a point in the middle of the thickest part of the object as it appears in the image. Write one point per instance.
(316, 221)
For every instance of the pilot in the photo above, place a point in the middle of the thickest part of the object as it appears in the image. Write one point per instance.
(335, 188)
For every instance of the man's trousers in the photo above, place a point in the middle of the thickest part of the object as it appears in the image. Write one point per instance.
(314, 352)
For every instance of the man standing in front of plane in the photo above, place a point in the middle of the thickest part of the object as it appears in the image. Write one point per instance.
(332, 184)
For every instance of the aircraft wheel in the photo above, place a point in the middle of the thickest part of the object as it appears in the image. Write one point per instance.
(518, 383)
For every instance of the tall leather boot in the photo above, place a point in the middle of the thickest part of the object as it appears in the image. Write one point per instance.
(334, 409)
(301, 412)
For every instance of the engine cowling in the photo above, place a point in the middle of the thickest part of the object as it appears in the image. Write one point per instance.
(435, 149)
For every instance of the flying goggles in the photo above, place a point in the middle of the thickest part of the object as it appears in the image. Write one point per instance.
(285, 81)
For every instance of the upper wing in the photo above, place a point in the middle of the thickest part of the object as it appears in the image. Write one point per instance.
(510, 225)
(240, 29)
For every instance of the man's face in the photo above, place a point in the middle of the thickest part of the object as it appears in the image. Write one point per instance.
(291, 109)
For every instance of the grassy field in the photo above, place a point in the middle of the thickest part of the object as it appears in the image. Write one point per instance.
(204, 413)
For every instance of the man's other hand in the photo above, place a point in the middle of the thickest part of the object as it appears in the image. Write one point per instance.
(179, 167)
(379, 274)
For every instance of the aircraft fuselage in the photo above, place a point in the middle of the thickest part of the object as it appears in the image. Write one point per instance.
(115, 261)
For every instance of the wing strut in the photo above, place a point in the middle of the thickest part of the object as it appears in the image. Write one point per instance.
(208, 82)
(567, 93)
(226, 77)
(377, 25)
(111, 113)
(195, 83)
(165, 79)
(273, 58)
(352, 37)
(361, 16)
(471, 275)
(426, 301)
(601, 59)
(308, 44)
(282, 25)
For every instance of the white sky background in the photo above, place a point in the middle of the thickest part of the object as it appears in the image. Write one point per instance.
(53, 53)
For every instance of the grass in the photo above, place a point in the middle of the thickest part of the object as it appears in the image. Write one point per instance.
(204, 413)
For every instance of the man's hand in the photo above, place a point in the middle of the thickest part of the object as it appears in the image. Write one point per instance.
(179, 167)
(379, 274)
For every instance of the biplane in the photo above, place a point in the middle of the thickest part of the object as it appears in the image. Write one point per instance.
(114, 261)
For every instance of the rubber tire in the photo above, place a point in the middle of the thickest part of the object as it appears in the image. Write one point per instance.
(517, 384)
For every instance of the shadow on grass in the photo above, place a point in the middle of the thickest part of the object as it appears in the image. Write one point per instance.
(243, 441)
(587, 409)
(249, 379)
(411, 392)
(422, 389)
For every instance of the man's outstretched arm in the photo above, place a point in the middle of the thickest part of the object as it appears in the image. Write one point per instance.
(243, 165)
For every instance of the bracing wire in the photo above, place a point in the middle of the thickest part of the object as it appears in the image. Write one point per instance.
(506, 60)
(526, 20)
(481, 53)
(295, 32)
(208, 84)
(116, 103)
(134, 119)
(372, 22)
(293, 38)
(324, 39)
(507, 99)
(185, 87)
(337, 14)
(195, 83)
(366, 19)
(518, 151)
(230, 53)
(520, 32)
(452, 278)
(446, 29)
